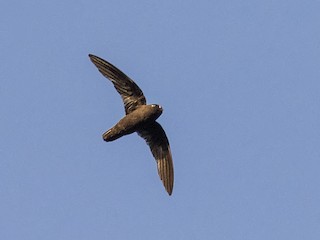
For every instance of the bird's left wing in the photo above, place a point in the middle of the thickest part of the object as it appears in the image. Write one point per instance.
(131, 94)
(158, 142)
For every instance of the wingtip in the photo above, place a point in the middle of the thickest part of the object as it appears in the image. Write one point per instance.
(169, 189)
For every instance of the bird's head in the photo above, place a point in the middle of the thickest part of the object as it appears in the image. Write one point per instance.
(156, 111)
(157, 108)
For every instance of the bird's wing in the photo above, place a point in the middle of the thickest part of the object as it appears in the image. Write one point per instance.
(157, 140)
(131, 94)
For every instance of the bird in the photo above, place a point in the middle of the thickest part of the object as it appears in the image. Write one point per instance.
(140, 118)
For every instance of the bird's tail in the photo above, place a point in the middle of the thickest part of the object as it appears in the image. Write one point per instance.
(111, 135)
(108, 135)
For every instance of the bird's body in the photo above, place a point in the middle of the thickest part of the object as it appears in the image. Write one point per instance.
(140, 118)
(131, 122)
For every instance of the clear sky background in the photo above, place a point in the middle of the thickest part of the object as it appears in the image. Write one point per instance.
(239, 82)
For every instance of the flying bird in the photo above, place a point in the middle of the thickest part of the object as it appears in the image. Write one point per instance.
(140, 118)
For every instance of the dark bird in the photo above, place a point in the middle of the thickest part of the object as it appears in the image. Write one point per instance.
(140, 118)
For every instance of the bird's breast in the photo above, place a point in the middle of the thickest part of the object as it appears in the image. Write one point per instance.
(139, 117)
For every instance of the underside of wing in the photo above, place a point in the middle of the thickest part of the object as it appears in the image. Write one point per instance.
(131, 94)
(157, 140)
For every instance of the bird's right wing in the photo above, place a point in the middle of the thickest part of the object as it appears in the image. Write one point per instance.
(158, 142)
(131, 94)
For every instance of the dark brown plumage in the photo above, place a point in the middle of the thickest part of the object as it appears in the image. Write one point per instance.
(140, 118)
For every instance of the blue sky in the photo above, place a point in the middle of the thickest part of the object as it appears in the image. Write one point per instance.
(239, 82)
